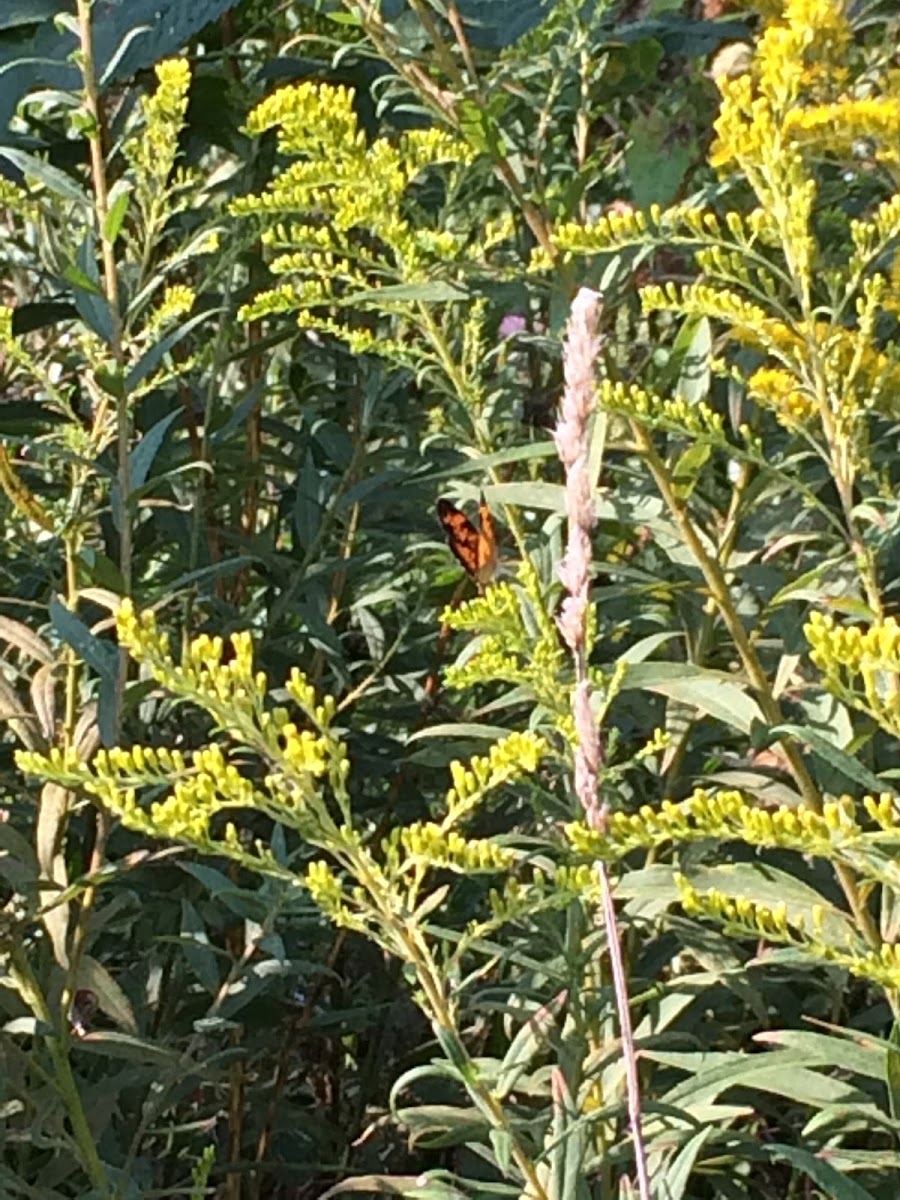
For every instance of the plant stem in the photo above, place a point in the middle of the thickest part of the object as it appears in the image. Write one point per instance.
(626, 1031)
(111, 291)
(57, 1044)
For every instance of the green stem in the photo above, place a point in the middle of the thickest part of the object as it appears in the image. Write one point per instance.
(111, 290)
(57, 1044)
(440, 1011)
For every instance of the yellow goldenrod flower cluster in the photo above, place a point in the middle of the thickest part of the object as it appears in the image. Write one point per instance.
(523, 898)
(152, 150)
(682, 224)
(433, 847)
(861, 666)
(177, 301)
(838, 127)
(747, 918)
(202, 671)
(727, 814)
(696, 420)
(748, 321)
(201, 785)
(510, 758)
(185, 796)
(497, 607)
(793, 102)
(780, 390)
(339, 214)
(800, 61)
(301, 760)
(519, 643)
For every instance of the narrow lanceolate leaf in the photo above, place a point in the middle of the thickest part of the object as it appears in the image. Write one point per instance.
(834, 1184)
(147, 448)
(532, 1039)
(833, 756)
(151, 359)
(20, 495)
(119, 198)
(43, 699)
(52, 178)
(20, 721)
(24, 639)
(53, 814)
(674, 1174)
(712, 692)
(111, 999)
(418, 1186)
(892, 1072)
(101, 656)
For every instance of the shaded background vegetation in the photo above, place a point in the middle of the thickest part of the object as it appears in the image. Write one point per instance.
(285, 484)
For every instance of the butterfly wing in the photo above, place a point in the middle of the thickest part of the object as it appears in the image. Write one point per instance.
(475, 548)
(487, 543)
(462, 536)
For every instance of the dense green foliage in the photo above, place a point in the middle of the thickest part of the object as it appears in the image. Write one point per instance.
(276, 279)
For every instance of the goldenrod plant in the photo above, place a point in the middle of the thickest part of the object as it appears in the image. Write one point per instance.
(77, 487)
(802, 333)
(320, 871)
(387, 892)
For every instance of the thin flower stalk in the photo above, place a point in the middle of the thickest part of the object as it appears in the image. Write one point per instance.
(572, 443)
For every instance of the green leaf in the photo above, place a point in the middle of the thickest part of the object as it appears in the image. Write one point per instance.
(532, 1039)
(835, 1184)
(39, 314)
(538, 495)
(692, 351)
(892, 1071)
(119, 199)
(145, 451)
(438, 1125)
(839, 760)
(674, 1175)
(17, 634)
(656, 159)
(682, 35)
(101, 656)
(712, 692)
(52, 178)
(308, 503)
(112, 1044)
(27, 12)
(686, 472)
(92, 305)
(480, 464)
(854, 1052)
(79, 279)
(437, 292)
(111, 998)
(708, 1076)
(197, 950)
(418, 1186)
(462, 729)
(644, 647)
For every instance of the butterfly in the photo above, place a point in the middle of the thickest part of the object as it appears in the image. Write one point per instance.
(475, 548)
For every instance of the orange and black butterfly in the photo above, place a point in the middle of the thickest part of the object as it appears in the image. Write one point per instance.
(475, 548)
